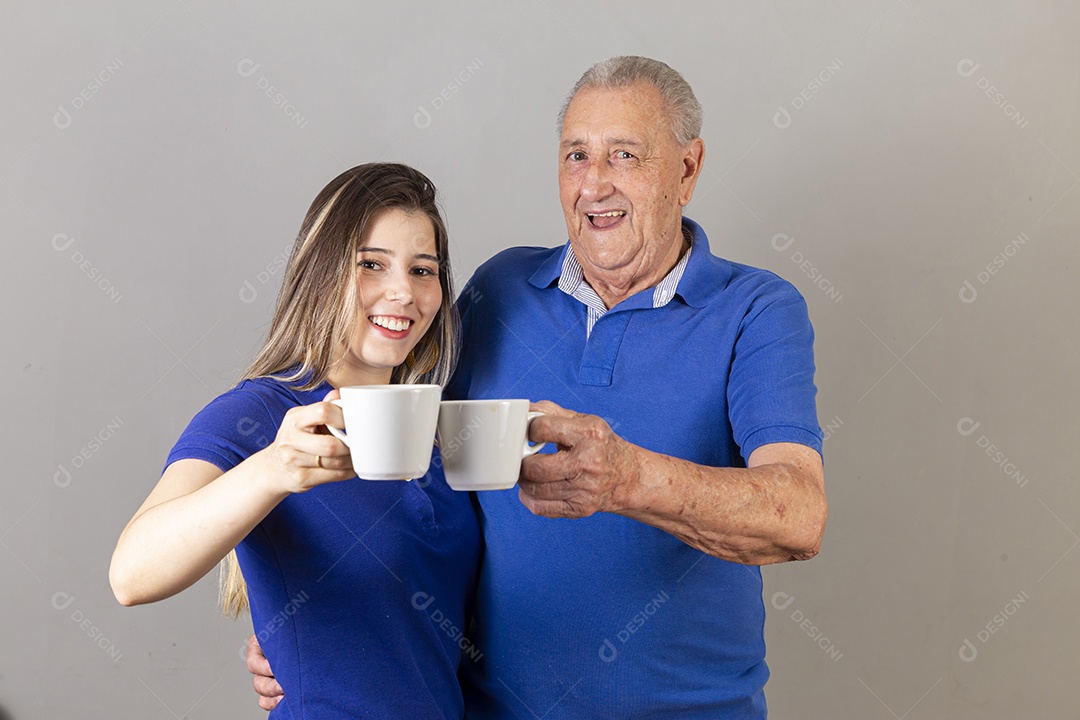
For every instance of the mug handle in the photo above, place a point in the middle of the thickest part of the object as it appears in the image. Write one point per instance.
(531, 449)
(338, 433)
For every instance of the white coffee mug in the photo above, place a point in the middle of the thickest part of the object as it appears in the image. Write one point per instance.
(389, 429)
(482, 442)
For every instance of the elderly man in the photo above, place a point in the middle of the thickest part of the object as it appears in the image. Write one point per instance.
(619, 580)
(700, 455)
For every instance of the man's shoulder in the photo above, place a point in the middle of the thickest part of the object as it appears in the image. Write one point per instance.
(718, 281)
(756, 282)
(711, 280)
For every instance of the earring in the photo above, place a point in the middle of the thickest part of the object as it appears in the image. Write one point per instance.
(410, 360)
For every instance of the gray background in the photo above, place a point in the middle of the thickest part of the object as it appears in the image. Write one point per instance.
(150, 185)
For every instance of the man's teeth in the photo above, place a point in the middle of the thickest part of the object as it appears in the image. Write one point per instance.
(613, 213)
(395, 324)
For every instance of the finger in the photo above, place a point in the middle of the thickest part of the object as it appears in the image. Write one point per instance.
(566, 431)
(545, 468)
(338, 464)
(335, 464)
(269, 703)
(257, 664)
(310, 418)
(549, 408)
(333, 415)
(550, 508)
(555, 490)
(308, 446)
(334, 394)
(309, 461)
(267, 687)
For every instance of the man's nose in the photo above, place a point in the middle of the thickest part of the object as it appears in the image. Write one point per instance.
(596, 184)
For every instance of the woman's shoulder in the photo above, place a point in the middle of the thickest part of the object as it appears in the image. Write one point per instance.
(260, 398)
(243, 418)
(232, 426)
(273, 394)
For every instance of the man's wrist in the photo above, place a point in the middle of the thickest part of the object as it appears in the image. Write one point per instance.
(633, 494)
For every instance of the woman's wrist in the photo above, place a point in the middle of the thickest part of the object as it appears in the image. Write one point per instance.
(267, 472)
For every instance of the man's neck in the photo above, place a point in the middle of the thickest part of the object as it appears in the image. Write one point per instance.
(612, 288)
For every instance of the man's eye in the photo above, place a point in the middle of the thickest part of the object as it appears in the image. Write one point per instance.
(576, 156)
(623, 155)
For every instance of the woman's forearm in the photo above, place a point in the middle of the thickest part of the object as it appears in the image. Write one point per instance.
(169, 546)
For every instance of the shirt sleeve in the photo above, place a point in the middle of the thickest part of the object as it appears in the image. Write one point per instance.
(232, 428)
(771, 391)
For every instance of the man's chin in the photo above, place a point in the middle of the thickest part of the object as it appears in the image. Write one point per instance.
(601, 259)
(598, 242)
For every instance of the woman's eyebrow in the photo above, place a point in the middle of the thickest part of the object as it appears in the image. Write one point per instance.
(420, 256)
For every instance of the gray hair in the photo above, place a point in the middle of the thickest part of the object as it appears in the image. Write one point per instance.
(683, 108)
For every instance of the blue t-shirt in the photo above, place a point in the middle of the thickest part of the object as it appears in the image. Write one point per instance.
(360, 590)
(605, 616)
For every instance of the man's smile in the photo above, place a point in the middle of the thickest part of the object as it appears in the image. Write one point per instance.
(607, 219)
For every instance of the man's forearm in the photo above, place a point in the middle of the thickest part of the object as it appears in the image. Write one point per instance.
(771, 512)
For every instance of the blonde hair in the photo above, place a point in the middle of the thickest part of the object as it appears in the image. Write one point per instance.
(317, 305)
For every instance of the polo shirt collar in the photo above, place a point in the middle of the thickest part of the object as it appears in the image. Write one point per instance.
(549, 271)
(706, 275)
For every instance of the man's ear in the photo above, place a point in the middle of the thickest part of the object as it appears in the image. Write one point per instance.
(692, 162)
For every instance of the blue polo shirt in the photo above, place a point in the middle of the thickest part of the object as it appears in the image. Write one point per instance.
(605, 616)
(360, 590)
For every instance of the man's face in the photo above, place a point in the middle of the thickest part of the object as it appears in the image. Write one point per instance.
(623, 179)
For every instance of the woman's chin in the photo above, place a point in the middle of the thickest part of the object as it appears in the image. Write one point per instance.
(376, 364)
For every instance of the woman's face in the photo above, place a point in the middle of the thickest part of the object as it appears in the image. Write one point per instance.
(398, 291)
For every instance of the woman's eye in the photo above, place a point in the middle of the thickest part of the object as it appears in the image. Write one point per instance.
(368, 265)
(425, 271)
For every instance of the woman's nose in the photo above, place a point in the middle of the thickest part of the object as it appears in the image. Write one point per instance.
(399, 289)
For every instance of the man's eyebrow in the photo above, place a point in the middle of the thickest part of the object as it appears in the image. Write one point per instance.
(608, 141)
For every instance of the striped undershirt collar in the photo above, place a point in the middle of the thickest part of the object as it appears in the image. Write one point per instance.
(572, 282)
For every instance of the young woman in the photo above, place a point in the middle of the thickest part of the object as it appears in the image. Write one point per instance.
(332, 562)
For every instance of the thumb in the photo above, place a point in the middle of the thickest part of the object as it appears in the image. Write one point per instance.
(549, 408)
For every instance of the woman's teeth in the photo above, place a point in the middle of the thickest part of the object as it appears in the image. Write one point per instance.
(390, 323)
